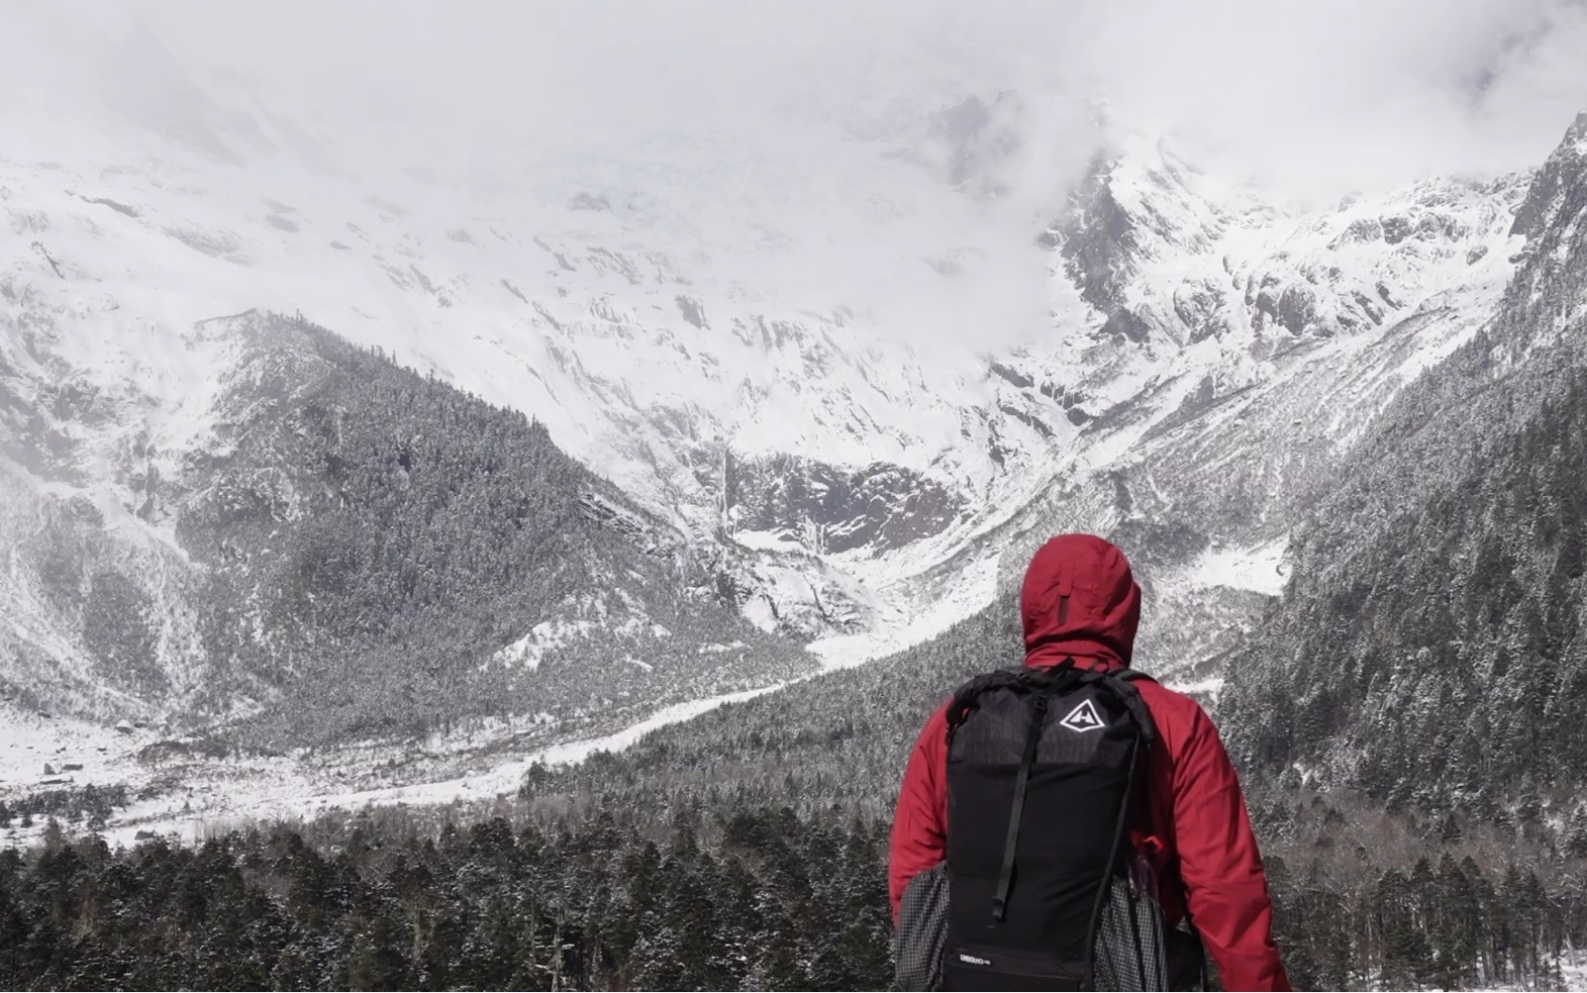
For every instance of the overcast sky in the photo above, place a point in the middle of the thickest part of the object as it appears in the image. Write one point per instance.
(1313, 99)
(1343, 93)
(1335, 94)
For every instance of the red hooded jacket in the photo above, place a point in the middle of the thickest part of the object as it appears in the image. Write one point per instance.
(1079, 600)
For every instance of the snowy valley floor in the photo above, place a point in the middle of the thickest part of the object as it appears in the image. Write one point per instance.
(190, 796)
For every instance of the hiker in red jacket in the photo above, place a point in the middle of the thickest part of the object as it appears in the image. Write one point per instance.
(1199, 837)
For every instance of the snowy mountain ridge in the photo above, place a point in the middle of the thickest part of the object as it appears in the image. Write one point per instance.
(833, 458)
(843, 399)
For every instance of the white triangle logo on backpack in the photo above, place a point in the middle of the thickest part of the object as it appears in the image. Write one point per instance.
(1083, 718)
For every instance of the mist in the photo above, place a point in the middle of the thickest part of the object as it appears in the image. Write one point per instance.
(714, 118)
(1319, 96)
(1352, 92)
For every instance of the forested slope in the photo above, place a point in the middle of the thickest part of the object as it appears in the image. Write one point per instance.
(1430, 648)
(351, 550)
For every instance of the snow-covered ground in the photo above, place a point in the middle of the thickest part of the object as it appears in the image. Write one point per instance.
(187, 797)
(30, 742)
(1260, 569)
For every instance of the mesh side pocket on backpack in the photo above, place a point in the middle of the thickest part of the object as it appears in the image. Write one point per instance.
(1130, 953)
(922, 931)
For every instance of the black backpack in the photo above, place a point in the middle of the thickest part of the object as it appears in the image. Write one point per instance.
(1039, 891)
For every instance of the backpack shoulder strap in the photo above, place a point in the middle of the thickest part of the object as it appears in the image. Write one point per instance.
(1005, 875)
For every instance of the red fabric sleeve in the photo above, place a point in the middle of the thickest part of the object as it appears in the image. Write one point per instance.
(920, 822)
(1220, 864)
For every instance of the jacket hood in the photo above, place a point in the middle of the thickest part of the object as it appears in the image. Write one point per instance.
(1079, 598)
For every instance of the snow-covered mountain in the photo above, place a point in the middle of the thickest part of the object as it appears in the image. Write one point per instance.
(850, 389)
